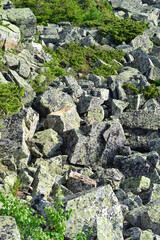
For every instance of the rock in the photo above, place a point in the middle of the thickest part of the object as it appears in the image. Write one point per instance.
(105, 230)
(157, 39)
(43, 182)
(127, 5)
(64, 120)
(8, 228)
(83, 150)
(12, 61)
(143, 63)
(24, 69)
(74, 88)
(14, 134)
(102, 93)
(9, 36)
(154, 145)
(136, 185)
(154, 194)
(53, 100)
(24, 19)
(89, 206)
(45, 143)
(153, 159)
(29, 93)
(149, 217)
(118, 106)
(132, 166)
(140, 119)
(114, 138)
(143, 42)
(89, 41)
(110, 176)
(88, 103)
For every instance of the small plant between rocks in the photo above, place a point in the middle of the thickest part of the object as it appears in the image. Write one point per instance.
(33, 225)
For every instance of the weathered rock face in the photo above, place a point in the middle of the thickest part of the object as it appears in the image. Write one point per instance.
(8, 228)
(86, 134)
(9, 36)
(92, 208)
(24, 19)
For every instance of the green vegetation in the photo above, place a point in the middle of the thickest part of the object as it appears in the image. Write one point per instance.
(34, 226)
(157, 82)
(150, 91)
(123, 30)
(10, 98)
(85, 12)
(80, 59)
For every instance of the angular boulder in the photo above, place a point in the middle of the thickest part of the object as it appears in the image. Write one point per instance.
(91, 208)
(8, 228)
(45, 143)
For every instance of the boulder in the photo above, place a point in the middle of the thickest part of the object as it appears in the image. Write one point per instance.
(9, 36)
(53, 100)
(114, 138)
(143, 42)
(8, 228)
(64, 120)
(140, 119)
(45, 143)
(91, 208)
(16, 130)
(24, 19)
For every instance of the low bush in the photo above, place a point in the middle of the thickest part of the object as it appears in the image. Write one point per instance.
(150, 91)
(10, 98)
(34, 226)
(85, 12)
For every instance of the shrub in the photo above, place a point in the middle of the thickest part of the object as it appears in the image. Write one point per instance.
(123, 30)
(34, 226)
(131, 88)
(157, 82)
(150, 91)
(10, 98)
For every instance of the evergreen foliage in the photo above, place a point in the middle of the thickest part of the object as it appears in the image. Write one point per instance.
(85, 12)
(10, 98)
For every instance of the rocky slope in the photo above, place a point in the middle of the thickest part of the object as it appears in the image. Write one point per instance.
(85, 133)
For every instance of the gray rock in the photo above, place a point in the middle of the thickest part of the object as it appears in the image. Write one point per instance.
(89, 41)
(73, 86)
(84, 150)
(45, 143)
(8, 228)
(102, 93)
(140, 119)
(155, 145)
(136, 184)
(110, 176)
(14, 134)
(132, 166)
(143, 42)
(88, 103)
(9, 36)
(24, 69)
(143, 63)
(125, 5)
(118, 106)
(24, 19)
(114, 138)
(153, 159)
(89, 206)
(154, 194)
(53, 100)
(29, 93)
(12, 61)
(43, 182)
(64, 120)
